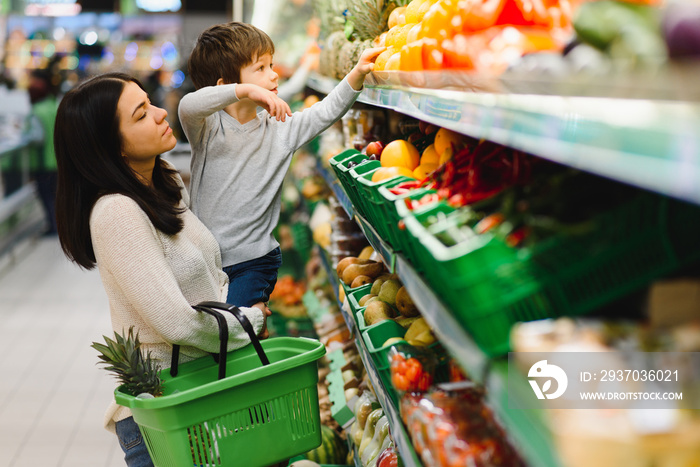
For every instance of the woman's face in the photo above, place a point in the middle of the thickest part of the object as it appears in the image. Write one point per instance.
(144, 130)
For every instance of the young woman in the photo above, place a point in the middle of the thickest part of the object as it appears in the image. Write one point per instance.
(120, 207)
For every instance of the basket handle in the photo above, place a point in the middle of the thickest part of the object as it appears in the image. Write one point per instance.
(245, 323)
(223, 344)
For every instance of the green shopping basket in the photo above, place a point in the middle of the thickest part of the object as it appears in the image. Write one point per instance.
(237, 412)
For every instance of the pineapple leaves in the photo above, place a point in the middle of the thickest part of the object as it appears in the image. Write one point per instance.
(123, 357)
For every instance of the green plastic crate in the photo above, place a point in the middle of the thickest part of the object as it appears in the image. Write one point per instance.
(490, 286)
(374, 338)
(369, 191)
(337, 160)
(364, 169)
(355, 295)
(387, 206)
(413, 248)
(204, 420)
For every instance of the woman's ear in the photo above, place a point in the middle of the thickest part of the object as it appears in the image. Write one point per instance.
(220, 81)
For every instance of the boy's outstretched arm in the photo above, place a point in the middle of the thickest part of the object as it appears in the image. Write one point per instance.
(356, 77)
(265, 99)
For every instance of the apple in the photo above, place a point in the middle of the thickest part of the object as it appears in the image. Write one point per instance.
(374, 148)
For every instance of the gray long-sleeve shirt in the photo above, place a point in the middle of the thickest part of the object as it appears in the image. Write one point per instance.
(237, 169)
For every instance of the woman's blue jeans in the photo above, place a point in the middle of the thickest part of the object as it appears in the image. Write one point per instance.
(132, 443)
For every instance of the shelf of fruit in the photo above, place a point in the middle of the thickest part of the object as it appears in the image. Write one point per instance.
(649, 144)
(535, 443)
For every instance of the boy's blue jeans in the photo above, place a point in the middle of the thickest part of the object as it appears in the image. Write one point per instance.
(132, 443)
(252, 281)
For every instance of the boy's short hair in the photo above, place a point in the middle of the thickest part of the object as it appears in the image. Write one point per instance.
(223, 49)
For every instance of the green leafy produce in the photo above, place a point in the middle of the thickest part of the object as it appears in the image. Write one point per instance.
(122, 356)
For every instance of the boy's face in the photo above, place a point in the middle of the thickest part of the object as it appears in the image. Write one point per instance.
(260, 72)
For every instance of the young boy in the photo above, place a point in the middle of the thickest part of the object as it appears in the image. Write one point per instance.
(239, 156)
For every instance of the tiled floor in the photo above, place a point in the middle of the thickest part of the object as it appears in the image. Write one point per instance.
(52, 394)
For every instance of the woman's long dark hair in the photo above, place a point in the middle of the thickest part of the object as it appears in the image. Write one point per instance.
(90, 165)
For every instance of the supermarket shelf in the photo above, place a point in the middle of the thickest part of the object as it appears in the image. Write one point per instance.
(334, 184)
(653, 145)
(527, 429)
(398, 432)
(333, 279)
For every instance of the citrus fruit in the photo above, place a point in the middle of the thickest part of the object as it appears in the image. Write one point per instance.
(383, 173)
(412, 57)
(413, 33)
(446, 139)
(424, 170)
(400, 153)
(429, 156)
(391, 35)
(380, 61)
(394, 62)
(394, 16)
(411, 12)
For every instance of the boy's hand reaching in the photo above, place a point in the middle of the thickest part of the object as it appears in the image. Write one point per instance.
(365, 65)
(265, 99)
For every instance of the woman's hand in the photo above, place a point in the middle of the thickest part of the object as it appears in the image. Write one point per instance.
(266, 99)
(264, 333)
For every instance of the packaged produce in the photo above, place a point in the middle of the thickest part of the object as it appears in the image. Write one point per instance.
(451, 426)
(373, 448)
(412, 369)
(369, 430)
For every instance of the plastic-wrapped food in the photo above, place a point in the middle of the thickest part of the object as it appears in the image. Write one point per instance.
(451, 427)
(373, 448)
(366, 403)
(388, 457)
(412, 369)
(370, 427)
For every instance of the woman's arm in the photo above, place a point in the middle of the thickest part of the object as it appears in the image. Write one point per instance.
(142, 284)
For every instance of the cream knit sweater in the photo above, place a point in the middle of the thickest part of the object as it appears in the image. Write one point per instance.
(152, 279)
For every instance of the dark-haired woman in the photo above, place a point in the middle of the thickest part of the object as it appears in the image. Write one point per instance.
(122, 208)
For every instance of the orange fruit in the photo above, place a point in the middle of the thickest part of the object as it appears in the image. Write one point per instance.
(445, 156)
(437, 22)
(412, 57)
(432, 54)
(402, 36)
(384, 173)
(413, 33)
(429, 156)
(380, 61)
(424, 170)
(446, 139)
(456, 53)
(394, 62)
(400, 153)
(379, 41)
(424, 7)
(394, 16)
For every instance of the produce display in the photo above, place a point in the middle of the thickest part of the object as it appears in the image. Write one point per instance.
(451, 426)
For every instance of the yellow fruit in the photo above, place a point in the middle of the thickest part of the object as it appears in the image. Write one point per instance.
(400, 153)
(445, 139)
(379, 41)
(430, 155)
(391, 35)
(384, 173)
(394, 16)
(424, 7)
(411, 12)
(424, 170)
(402, 36)
(382, 58)
(445, 156)
(394, 62)
(413, 33)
